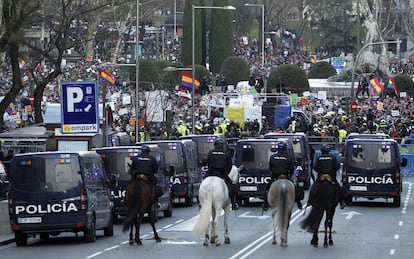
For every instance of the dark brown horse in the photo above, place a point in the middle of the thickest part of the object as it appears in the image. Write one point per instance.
(324, 199)
(140, 200)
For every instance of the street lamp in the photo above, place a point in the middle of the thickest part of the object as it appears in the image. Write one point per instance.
(193, 7)
(136, 78)
(262, 6)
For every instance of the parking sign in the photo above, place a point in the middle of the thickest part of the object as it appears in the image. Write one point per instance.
(79, 104)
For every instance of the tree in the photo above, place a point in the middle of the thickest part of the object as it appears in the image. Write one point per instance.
(235, 69)
(186, 51)
(321, 70)
(221, 35)
(287, 78)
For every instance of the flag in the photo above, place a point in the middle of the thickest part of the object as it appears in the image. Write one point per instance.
(392, 85)
(107, 77)
(184, 94)
(313, 59)
(253, 91)
(376, 85)
(187, 80)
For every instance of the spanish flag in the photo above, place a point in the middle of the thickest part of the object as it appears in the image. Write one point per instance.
(375, 85)
(187, 80)
(313, 59)
(392, 85)
(107, 77)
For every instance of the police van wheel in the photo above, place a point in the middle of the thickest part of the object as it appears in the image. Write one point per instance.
(44, 236)
(168, 212)
(90, 233)
(397, 201)
(20, 238)
(109, 230)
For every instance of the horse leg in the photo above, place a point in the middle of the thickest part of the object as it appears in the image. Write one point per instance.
(325, 239)
(152, 222)
(226, 227)
(314, 240)
(214, 237)
(330, 224)
(274, 227)
(131, 229)
(137, 227)
(206, 239)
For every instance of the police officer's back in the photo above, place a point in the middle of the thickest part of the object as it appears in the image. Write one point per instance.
(145, 164)
(219, 164)
(280, 163)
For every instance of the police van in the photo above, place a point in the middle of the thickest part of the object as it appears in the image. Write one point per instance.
(54, 192)
(301, 150)
(117, 161)
(254, 155)
(181, 158)
(371, 169)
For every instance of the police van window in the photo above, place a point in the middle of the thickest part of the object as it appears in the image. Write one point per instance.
(358, 153)
(247, 153)
(297, 147)
(93, 172)
(29, 174)
(172, 157)
(384, 154)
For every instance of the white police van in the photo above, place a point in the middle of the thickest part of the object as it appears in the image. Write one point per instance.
(55, 192)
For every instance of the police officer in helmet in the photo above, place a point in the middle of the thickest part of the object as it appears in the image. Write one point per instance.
(281, 165)
(219, 164)
(328, 164)
(146, 164)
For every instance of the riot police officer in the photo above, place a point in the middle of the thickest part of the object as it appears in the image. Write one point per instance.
(326, 163)
(219, 164)
(281, 164)
(146, 164)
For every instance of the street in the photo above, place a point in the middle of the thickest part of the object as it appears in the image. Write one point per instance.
(368, 229)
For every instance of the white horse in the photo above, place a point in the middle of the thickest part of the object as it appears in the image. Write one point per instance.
(214, 197)
(281, 197)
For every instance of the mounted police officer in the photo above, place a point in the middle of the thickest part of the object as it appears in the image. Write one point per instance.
(282, 166)
(327, 164)
(146, 164)
(219, 164)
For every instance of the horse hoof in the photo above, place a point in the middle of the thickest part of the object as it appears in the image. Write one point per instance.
(284, 245)
(131, 242)
(274, 242)
(138, 241)
(331, 243)
(217, 242)
(325, 245)
(227, 241)
(315, 244)
(158, 240)
(205, 243)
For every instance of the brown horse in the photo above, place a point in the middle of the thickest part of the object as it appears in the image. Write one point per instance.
(324, 199)
(140, 200)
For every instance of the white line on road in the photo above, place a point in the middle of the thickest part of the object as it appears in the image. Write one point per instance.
(248, 250)
(110, 248)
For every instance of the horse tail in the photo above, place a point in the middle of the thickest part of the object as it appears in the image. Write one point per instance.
(201, 226)
(312, 221)
(282, 210)
(133, 208)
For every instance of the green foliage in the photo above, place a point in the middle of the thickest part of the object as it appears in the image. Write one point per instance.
(221, 35)
(148, 72)
(169, 77)
(404, 84)
(186, 52)
(235, 69)
(288, 78)
(321, 70)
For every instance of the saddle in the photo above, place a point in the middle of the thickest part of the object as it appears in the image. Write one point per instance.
(282, 176)
(325, 177)
(142, 177)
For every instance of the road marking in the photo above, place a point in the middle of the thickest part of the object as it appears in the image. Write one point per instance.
(392, 251)
(95, 254)
(350, 214)
(246, 215)
(248, 250)
(110, 248)
(396, 236)
(400, 223)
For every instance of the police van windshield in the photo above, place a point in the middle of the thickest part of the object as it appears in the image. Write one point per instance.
(369, 155)
(117, 163)
(254, 155)
(173, 154)
(47, 174)
(204, 145)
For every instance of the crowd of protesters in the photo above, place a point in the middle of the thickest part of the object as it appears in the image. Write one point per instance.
(394, 117)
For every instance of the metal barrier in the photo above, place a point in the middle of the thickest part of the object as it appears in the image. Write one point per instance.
(409, 169)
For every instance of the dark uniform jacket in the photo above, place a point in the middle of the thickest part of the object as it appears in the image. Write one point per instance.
(219, 163)
(326, 164)
(280, 164)
(145, 164)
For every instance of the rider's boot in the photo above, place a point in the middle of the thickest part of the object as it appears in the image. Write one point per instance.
(299, 204)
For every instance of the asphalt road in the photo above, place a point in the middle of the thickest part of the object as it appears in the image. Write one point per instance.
(368, 229)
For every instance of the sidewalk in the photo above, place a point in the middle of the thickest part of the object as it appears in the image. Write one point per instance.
(6, 235)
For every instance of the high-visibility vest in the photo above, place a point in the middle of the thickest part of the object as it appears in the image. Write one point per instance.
(342, 135)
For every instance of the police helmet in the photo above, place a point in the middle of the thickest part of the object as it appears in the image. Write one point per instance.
(325, 148)
(219, 143)
(145, 149)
